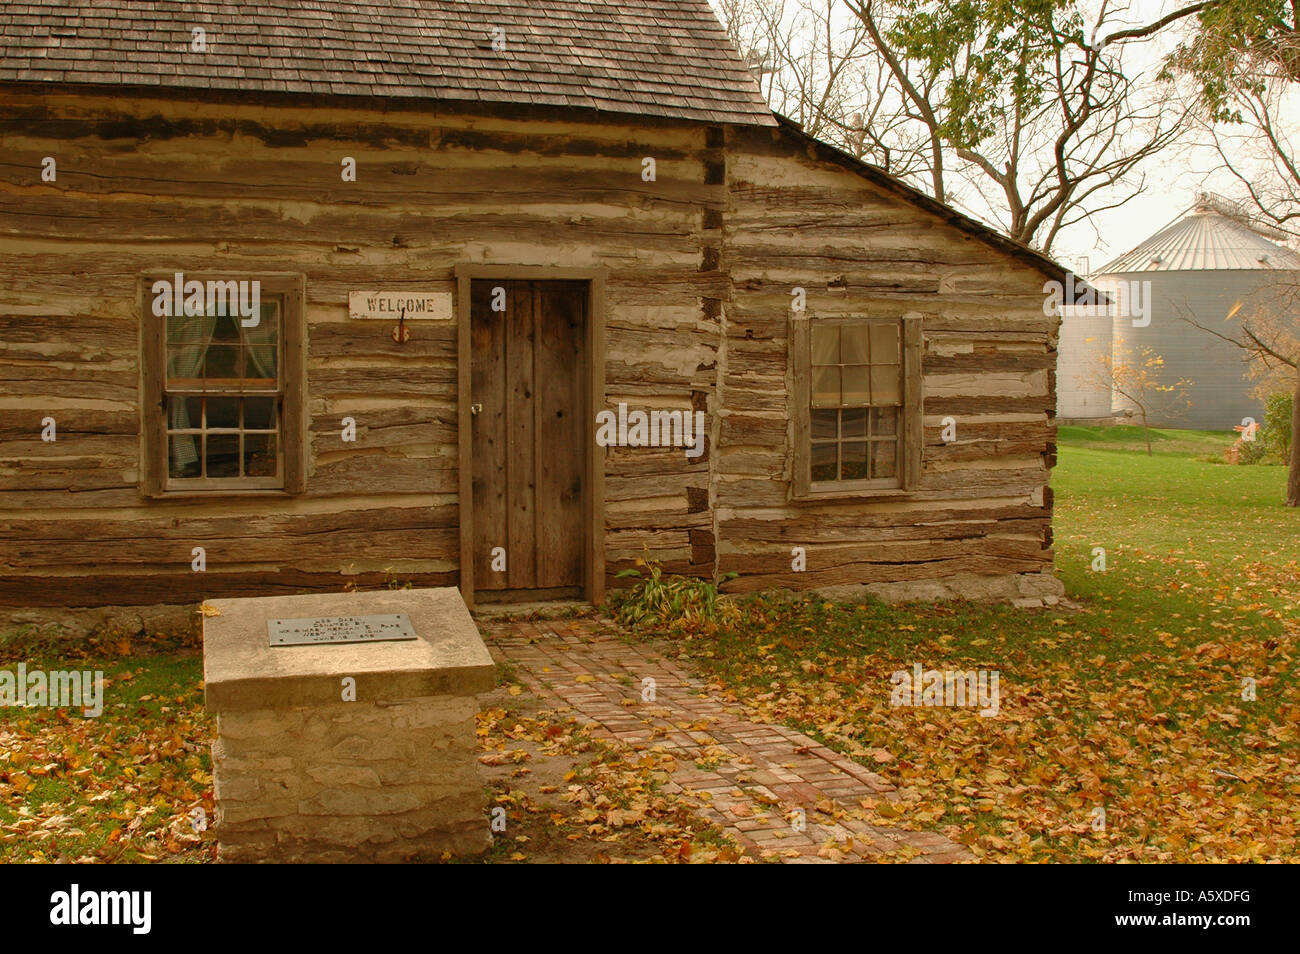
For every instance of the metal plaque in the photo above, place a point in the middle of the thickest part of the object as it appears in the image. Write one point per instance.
(386, 627)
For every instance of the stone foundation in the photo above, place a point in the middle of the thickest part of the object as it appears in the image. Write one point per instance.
(1019, 589)
(75, 622)
(303, 776)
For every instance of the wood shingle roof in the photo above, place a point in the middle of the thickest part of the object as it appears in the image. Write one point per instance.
(663, 58)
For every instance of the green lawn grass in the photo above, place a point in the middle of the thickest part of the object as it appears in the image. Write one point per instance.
(1129, 437)
(1170, 516)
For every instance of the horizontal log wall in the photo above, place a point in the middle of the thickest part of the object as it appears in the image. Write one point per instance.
(983, 505)
(700, 265)
(159, 186)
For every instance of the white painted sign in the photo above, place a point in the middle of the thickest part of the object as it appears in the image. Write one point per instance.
(419, 305)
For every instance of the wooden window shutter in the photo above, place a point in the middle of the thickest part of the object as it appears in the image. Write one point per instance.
(153, 432)
(913, 402)
(799, 395)
(297, 441)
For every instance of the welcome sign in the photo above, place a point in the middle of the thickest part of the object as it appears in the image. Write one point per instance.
(418, 305)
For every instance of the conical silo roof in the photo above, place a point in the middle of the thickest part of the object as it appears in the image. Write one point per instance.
(1203, 239)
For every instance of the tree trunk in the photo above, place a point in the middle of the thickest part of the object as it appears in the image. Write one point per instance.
(1293, 473)
(1146, 434)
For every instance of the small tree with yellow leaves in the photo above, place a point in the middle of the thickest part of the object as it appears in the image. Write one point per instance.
(1138, 375)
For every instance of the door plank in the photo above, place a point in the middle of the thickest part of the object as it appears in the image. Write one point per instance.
(561, 433)
(520, 460)
(488, 342)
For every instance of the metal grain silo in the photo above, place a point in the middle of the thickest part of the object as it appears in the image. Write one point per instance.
(1208, 269)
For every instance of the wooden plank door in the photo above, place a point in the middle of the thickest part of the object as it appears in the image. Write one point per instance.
(529, 438)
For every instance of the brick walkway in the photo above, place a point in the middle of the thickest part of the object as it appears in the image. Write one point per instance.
(748, 778)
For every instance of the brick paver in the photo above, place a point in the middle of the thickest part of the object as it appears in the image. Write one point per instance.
(751, 779)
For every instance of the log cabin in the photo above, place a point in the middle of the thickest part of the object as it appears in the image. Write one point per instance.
(299, 297)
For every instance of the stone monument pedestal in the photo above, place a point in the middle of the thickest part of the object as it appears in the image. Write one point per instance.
(346, 750)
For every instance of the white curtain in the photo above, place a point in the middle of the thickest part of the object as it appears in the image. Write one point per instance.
(261, 353)
(185, 352)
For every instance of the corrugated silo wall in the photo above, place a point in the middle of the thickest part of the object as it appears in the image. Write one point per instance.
(1085, 338)
(1176, 302)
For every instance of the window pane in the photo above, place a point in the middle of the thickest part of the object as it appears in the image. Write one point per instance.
(184, 413)
(884, 421)
(886, 384)
(826, 387)
(259, 413)
(188, 329)
(855, 386)
(853, 464)
(825, 344)
(261, 345)
(853, 345)
(259, 363)
(884, 458)
(223, 412)
(884, 343)
(854, 422)
(225, 328)
(222, 362)
(183, 455)
(259, 455)
(184, 361)
(223, 455)
(266, 331)
(824, 424)
(823, 461)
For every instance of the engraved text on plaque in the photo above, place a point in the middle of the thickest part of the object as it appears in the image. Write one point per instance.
(386, 627)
